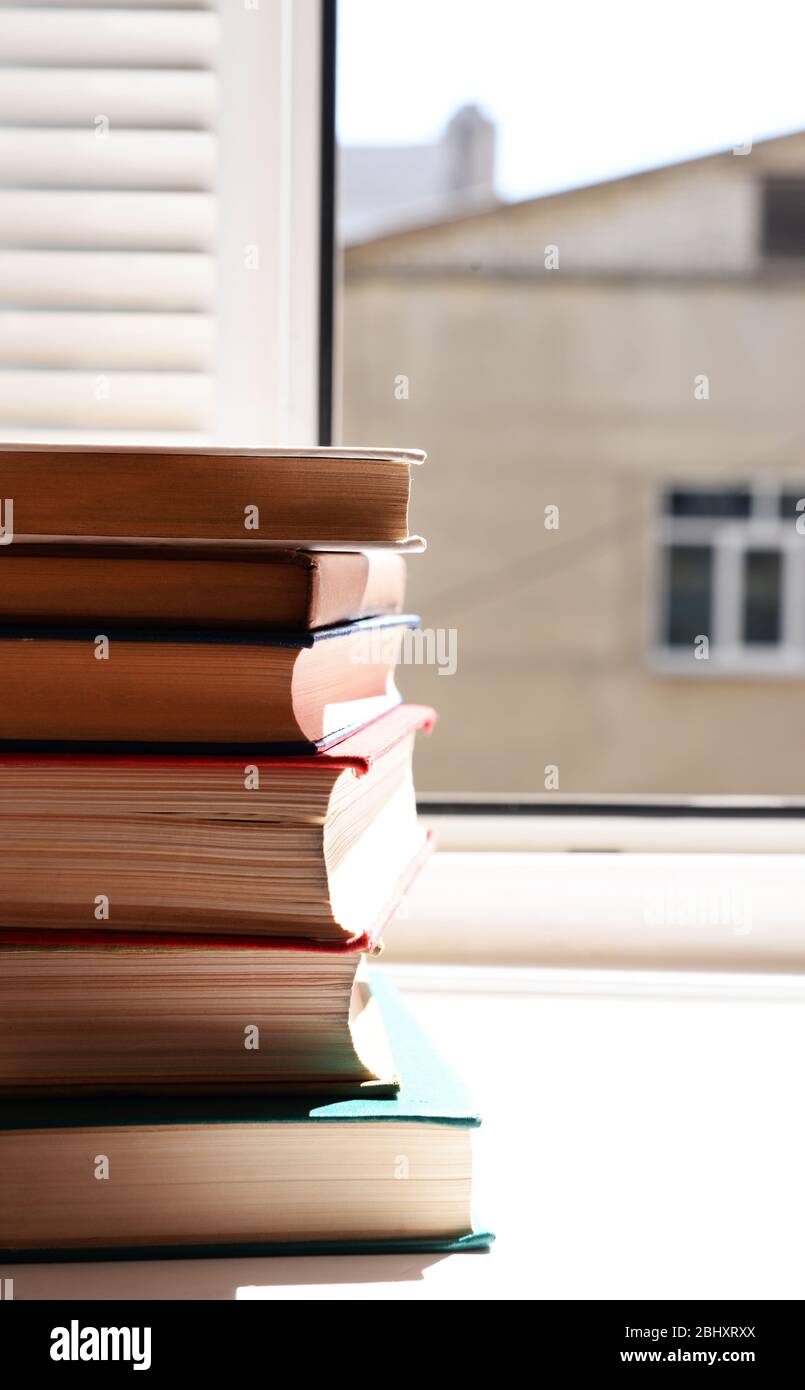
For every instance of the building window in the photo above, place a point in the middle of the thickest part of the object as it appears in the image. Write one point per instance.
(733, 572)
(690, 589)
(784, 217)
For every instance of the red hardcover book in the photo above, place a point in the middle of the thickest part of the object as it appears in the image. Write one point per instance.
(315, 847)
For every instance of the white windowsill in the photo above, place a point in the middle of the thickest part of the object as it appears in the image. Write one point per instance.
(770, 663)
(578, 828)
(724, 912)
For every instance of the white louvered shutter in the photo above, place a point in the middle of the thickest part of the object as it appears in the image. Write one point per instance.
(115, 217)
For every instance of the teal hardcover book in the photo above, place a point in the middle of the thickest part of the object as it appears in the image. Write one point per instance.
(180, 1176)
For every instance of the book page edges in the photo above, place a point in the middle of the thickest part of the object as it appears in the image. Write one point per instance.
(341, 453)
(411, 545)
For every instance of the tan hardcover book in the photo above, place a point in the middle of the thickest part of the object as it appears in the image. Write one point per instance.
(108, 1013)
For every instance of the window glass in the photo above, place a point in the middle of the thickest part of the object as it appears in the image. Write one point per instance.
(788, 503)
(690, 582)
(557, 280)
(701, 502)
(762, 596)
(784, 217)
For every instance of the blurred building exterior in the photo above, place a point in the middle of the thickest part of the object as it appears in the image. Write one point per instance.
(382, 188)
(631, 354)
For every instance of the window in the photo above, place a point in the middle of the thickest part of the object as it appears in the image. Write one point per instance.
(784, 217)
(715, 502)
(762, 597)
(563, 304)
(733, 580)
(690, 593)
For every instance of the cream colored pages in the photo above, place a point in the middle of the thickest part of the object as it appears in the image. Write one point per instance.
(413, 456)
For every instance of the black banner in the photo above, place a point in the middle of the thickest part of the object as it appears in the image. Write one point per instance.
(159, 1340)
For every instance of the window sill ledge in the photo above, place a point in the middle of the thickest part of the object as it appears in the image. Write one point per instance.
(715, 912)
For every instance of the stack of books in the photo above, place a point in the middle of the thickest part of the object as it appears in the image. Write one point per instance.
(207, 819)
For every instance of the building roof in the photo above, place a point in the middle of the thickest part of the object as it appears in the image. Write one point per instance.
(763, 153)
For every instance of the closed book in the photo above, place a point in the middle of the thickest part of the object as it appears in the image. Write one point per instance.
(155, 584)
(108, 1013)
(319, 499)
(180, 1176)
(318, 847)
(253, 691)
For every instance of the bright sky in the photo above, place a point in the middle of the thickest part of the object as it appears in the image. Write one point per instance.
(581, 90)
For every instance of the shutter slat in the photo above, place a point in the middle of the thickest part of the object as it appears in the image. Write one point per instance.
(106, 280)
(117, 400)
(76, 97)
(130, 38)
(124, 221)
(122, 159)
(108, 341)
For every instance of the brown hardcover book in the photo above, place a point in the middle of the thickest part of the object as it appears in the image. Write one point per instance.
(311, 499)
(195, 689)
(241, 585)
